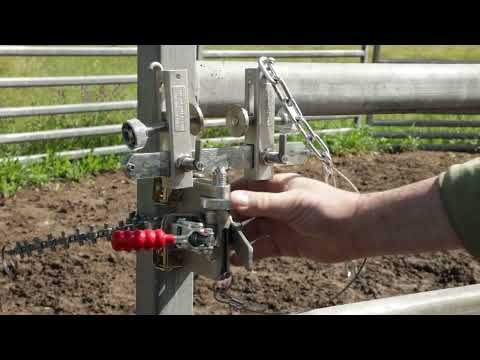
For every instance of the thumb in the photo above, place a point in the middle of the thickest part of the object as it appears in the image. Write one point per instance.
(260, 204)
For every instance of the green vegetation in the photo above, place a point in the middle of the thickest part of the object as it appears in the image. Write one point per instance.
(14, 175)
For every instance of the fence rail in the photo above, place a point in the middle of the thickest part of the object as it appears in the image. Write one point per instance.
(66, 51)
(456, 301)
(284, 53)
(377, 58)
(67, 81)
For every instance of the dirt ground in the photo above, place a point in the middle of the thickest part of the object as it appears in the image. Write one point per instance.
(95, 280)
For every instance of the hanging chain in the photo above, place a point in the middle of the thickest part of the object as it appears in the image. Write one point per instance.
(295, 114)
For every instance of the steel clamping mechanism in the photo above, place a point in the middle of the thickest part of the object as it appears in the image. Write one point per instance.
(192, 227)
(196, 230)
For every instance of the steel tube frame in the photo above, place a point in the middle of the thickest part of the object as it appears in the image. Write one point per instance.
(8, 50)
(425, 123)
(66, 109)
(283, 53)
(59, 134)
(67, 81)
(335, 89)
(73, 154)
(456, 301)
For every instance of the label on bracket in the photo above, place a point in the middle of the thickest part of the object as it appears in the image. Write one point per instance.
(179, 94)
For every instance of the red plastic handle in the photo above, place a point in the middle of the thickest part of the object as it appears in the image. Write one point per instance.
(141, 240)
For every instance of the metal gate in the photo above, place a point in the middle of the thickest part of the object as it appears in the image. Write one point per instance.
(111, 51)
(425, 125)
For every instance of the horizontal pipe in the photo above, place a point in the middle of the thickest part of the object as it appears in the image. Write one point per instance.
(73, 154)
(238, 140)
(363, 89)
(59, 134)
(122, 149)
(17, 138)
(456, 301)
(7, 50)
(67, 81)
(66, 109)
(282, 53)
(427, 123)
(425, 135)
(221, 122)
(426, 61)
(469, 148)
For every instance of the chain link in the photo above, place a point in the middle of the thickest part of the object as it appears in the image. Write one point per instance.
(295, 114)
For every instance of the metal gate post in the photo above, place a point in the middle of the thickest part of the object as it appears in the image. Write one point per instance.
(160, 293)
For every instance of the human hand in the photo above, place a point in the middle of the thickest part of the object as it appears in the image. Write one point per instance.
(297, 217)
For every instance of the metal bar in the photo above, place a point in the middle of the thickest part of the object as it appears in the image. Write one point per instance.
(66, 109)
(59, 134)
(469, 148)
(241, 140)
(377, 49)
(428, 123)
(364, 59)
(73, 154)
(282, 53)
(16, 138)
(456, 301)
(426, 61)
(426, 135)
(7, 50)
(67, 81)
(335, 89)
(221, 122)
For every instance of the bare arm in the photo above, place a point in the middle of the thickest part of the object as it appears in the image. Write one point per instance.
(410, 219)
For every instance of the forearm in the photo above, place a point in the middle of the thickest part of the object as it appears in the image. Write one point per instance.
(410, 219)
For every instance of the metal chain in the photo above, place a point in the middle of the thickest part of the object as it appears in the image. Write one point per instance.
(295, 114)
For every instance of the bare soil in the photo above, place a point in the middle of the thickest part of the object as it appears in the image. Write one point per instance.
(96, 280)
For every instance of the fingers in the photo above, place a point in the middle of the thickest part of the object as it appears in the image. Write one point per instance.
(277, 206)
(277, 184)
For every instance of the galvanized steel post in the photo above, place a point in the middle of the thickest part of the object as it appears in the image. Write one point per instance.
(162, 293)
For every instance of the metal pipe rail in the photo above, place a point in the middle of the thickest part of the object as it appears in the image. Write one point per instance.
(426, 135)
(107, 130)
(427, 123)
(425, 61)
(73, 154)
(16, 138)
(335, 89)
(456, 301)
(66, 109)
(59, 134)
(8, 50)
(284, 53)
(67, 81)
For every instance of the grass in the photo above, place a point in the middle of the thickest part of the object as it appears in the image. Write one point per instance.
(14, 175)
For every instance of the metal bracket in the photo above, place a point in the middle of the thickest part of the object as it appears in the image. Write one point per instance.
(154, 165)
(260, 104)
(178, 117)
